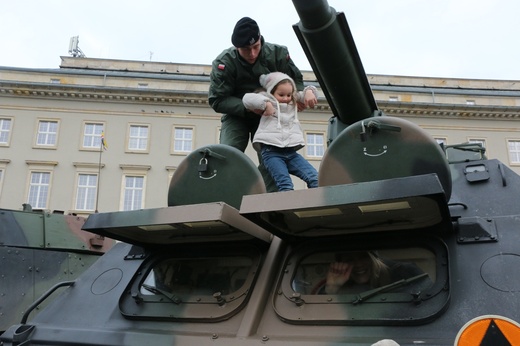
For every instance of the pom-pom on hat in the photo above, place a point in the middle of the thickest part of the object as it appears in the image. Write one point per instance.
(246, 33)
(269, 81)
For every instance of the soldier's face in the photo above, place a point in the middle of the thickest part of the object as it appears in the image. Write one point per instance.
(250, 53)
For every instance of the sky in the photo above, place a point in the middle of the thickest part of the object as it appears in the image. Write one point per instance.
(475, 39)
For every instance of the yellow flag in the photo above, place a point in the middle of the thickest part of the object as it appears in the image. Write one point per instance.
(103, 141)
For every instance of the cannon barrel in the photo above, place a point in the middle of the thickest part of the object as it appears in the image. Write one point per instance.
(329, 46)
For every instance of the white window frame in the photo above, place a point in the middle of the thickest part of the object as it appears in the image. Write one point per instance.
(312, 148)
(138, 138)
(133, 195)
(86, 168)
(182, 140)
(36, 167)
(86, 192)
(171, 171)
(478, 141)
(47, 134)
(6, 130)
(133, 171)
(42, 190)
(513, 153)
(441, 140)
(2, 173)
(93, 135)
(3, 167)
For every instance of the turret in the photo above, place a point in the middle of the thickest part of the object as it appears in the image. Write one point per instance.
(364, 144)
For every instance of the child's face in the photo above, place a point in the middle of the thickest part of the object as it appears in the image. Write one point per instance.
(284, 92)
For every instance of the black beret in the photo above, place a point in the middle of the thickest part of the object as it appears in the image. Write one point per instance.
(246, 33)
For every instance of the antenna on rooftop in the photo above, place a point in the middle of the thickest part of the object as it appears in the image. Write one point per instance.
(74, 49)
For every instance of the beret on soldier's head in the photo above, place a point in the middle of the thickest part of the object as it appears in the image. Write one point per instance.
(246, 33)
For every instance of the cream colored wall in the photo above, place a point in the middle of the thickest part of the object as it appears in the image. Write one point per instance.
(117, 117)
(117, 101)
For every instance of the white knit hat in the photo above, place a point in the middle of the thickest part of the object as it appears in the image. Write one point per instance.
(269, 81)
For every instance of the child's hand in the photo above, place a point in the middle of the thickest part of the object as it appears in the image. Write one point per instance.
(309, 99)
(269, 109)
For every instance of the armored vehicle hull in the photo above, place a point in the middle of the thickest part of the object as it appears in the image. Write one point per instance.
(39, 250)
(251, 290)
(404, 242)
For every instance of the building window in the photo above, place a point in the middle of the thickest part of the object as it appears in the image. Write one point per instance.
(86, 192)
(482, 142)
(3, 166)
(315, 146)
(39, 189)
(5, 131)
(514, 151)
(171, 171)
(441, 140)
(138, 138)
(92, 135)
(47, 133)
(182, 139)
(133, 192)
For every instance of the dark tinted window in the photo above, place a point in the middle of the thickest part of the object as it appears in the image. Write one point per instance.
(360, 285)
(198, 276)
(193, 287)
(347, 272)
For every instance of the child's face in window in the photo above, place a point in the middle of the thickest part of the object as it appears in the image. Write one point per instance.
(359, 264)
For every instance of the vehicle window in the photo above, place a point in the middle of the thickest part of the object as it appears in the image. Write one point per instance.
(209, 288)
(346, 272)
(356, 285)
(200, 276)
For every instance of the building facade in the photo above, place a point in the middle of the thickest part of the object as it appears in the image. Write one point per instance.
(107, 135)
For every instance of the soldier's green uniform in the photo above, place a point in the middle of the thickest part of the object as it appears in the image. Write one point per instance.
(232, 77)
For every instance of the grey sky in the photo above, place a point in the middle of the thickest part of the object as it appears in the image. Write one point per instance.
(443, 38)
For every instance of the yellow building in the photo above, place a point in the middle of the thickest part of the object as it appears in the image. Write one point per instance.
(153, 114)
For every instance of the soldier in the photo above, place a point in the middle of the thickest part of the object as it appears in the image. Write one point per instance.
(236, 71)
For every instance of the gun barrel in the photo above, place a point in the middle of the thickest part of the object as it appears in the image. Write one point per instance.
(329, 46)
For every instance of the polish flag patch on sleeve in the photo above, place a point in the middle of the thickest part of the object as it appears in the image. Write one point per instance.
(221, 66)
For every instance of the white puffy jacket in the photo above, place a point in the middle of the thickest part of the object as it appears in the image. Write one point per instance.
(282, 129)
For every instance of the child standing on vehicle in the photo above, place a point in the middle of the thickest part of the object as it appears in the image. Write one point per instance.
(279, 135)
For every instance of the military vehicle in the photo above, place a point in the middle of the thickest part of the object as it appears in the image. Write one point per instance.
(40, 249)
(404, 241)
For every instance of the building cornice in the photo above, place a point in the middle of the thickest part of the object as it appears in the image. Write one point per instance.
(199, 97)
(86, 93)
(404, 109)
